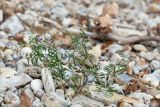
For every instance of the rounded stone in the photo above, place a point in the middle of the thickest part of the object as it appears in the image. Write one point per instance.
(36, 84)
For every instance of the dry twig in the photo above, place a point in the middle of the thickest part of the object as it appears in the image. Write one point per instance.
(121, 40)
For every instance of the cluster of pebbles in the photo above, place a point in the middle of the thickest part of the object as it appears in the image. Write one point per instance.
(24, 85)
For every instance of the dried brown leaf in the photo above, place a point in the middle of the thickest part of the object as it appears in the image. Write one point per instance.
(132, 87)
(105, 21)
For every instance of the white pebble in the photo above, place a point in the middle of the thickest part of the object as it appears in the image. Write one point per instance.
(36, 84)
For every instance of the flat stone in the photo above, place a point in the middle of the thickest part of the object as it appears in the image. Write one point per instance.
(15, 81)
(125, 104)
(139, 47)
(12, 25)
(76, 105)
(86, 102)
(111, 99)
(152, 79)
(55, 100)
(155, 64)
(50, 3)
(141, 97)
(149, 56)
(33, 71)
(39, 93)
(113, 48)
(25, 51)
(67, 22)
(92, 61)
(59, 10)
(115, 57)
(11, 99)
(7, 72)
(154, 92)
(60, 92)
(37, 103)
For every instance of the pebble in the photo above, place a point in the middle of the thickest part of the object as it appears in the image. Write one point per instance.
(149, 56)
(37, 103)
(15, 81)
(97, 50)
(2, 65)
(37, 5)
(1, 99)
(125, 77)
(86, 102)
(152, 22)
(136, 69)
(142, 97)
(101, 97)
(125, 104)
(125, 3)
(115, 57)
(92, 61)
(150, 78)
(7, 72)
(155, 64)
(8, 52)
(112, 105)
(67, 22)
(60, 92)
(139, 47)
(76, 105)
(50, 3)
(29, 17)
(113, 48)
(154, 92)
(36, 84)
(70, 93)
(156, 72)
(117, 88)
(11, 99)
(34, 72)
(154, 103)
(55, 100)
(154, 8)
(60, 11)
(25, 51)
(38, 93)
(12, 25)
(21, 64)
(1, 16)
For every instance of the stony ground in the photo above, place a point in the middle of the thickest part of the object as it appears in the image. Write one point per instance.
(123, 30)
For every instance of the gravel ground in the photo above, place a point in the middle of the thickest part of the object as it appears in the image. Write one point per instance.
(117, 30)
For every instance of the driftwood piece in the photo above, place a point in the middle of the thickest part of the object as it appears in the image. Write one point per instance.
(47, 81)
(132, 39)
(121, 40)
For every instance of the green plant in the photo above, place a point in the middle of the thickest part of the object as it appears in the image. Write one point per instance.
(76, 56)
(105, 78)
